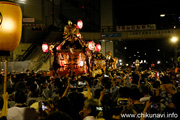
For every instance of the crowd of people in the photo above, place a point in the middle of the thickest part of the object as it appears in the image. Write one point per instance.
(106, 95)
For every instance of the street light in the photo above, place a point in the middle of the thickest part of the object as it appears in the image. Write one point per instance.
(162, 15)
(174, 40)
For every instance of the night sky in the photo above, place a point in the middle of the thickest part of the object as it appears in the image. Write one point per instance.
(130, 12)
(138, 12)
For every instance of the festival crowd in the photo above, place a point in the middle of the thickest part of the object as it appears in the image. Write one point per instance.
(104, 95)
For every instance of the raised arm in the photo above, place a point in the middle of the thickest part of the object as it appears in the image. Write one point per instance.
(67, 88)
(88, 90)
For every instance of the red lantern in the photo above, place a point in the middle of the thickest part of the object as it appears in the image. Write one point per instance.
(45, 47)
(58, 47)
(91, 45)
(79, 35)
(98, 47)
(79, 24)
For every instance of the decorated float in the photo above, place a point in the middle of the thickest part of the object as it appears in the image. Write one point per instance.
(73, 55)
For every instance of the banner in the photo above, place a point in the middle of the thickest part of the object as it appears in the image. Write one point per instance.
(136, 27)
(150, 34)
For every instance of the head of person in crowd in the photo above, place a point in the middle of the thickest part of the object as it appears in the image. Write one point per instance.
(106, 82)
(107, 100)
(20, 99)
(34, 88)
(175, 100)
(143, 80)
(58, 115)
(135, 94)
(20, 86)
(77, 99)
(97, 93)
(124, 92)
(145, 90)
(58, 83)
(29, 81)
(95, 81)
(135, 78)
(44, 82)
(156, 84)
(90, 108)
(64, 105)
(165, 80)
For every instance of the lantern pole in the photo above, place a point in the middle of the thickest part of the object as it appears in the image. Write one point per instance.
(50, 60)
(0, 63)
(5, 75)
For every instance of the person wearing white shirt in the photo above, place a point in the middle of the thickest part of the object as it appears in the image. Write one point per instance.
(89, 111)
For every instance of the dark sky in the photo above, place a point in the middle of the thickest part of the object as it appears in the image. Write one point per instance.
(137, 12)
(127, 12)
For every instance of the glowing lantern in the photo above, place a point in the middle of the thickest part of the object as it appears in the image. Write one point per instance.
(10, 31)
(45, 47)
(58, 47)
(79, 24)
(80, 63)
(10, 25)
(98, 47)
(79, 35)
(91, 45)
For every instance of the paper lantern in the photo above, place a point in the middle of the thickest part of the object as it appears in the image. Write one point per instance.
(79, 35)
(79, 24)
(91, 45)
(58, 47)
(10, 25)
(45, 47)
(98, 47)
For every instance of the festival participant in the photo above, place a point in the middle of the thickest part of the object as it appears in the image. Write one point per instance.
(65, 105)
(166, 91)
(89, 111)
(20, 111)
(145, 91)
(135, 96)
(35, 94)
(77, 101)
